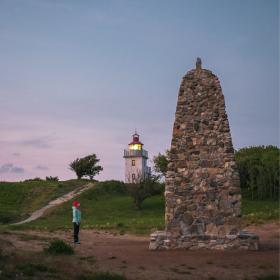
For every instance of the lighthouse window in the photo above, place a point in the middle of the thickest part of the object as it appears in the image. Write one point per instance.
(135, 147)
(133, 162)
(133, 177)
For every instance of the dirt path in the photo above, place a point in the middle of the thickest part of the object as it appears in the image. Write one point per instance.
(38, 213)
(129, 255)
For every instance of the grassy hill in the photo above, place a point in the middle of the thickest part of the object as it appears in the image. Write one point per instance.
(18, 199)
(108, 207)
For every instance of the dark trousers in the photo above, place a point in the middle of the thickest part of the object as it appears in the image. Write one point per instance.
(76, 232)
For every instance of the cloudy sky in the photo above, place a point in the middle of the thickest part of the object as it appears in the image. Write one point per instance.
(78, 77)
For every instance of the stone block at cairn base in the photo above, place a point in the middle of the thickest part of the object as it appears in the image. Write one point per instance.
(162, 240)
(203, 199)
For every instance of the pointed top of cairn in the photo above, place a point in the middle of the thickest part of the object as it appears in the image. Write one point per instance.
(198, 63)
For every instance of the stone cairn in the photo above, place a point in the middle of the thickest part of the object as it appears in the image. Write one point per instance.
(203, 199)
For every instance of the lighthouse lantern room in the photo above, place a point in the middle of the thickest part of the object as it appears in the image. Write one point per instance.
(135, 160)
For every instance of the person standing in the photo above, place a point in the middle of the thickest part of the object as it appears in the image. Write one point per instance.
(76, 221)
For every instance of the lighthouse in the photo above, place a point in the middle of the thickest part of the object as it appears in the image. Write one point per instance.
(135, 161)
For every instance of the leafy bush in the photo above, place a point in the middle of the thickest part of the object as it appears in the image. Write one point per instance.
(142, 188)
(103, 276)
(50, 178)
(161, 162)
(259, 172)
(59, 247)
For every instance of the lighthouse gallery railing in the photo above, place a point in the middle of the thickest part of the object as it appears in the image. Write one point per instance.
(135, 153)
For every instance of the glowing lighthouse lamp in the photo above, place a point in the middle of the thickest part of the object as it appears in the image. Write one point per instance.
(135, 160)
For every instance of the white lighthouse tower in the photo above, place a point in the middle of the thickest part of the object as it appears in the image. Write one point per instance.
(135, 160)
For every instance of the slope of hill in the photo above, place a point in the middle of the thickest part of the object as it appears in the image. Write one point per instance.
(107, 206)
(19, 199)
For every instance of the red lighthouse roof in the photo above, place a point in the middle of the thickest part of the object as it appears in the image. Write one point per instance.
(135, 139)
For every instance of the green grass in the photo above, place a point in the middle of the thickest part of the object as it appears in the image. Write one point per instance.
(259, 211)
(108, 207)
(107, 212)
(18, 199)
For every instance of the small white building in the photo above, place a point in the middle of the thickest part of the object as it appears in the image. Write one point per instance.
(135, 160)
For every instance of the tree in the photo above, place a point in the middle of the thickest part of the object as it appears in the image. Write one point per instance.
(161, 162)
(144, 187)
(86, 166)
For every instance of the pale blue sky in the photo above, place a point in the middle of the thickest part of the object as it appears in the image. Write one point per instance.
(78, 77)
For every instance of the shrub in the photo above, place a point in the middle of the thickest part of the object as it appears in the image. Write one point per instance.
(103, 276)
(59, 247)
(259, 172)
(142, 188)
(50, 178)
(161, 162)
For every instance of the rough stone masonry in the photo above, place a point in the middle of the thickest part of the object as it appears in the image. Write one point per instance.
(203, 199)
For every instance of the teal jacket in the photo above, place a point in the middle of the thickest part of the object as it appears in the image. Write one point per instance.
(76, 215)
